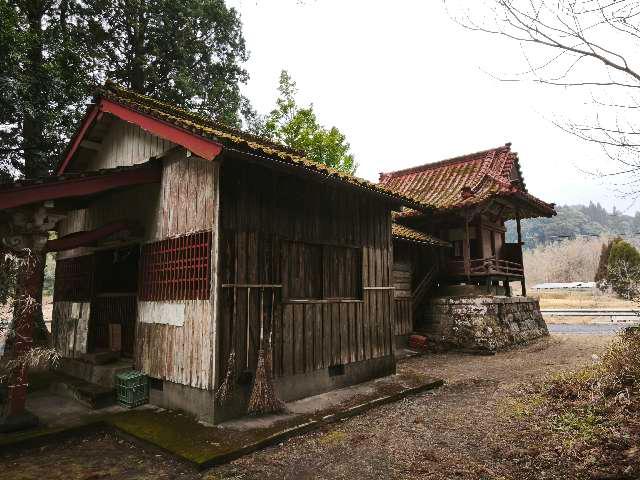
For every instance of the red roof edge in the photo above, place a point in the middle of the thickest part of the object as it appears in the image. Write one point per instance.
(199, 145)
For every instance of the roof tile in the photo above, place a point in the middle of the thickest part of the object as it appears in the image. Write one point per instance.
(465, 181)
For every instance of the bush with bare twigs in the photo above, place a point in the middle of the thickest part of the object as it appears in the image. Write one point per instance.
(574, 260)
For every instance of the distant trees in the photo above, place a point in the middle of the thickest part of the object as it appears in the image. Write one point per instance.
(298, 127)
(574, 221)
(569, 260)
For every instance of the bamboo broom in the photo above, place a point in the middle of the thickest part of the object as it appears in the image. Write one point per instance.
(226, 387)
(263, 396)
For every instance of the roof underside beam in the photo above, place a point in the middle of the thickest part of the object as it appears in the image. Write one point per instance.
(78, 186)
(89, 237)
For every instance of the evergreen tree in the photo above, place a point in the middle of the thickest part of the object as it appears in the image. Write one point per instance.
(623, 269)
(54, 52)
(188, 52)
(601, 277)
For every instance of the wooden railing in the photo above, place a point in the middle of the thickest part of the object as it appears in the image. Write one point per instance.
(486, 266)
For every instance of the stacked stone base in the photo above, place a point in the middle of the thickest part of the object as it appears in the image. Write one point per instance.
(484, 324)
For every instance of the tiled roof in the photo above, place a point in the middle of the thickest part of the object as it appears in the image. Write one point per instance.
(206, 127)
(405, 233)
(468, 180)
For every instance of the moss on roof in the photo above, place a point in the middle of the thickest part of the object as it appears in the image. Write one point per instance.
(402, 232)
(203, 126)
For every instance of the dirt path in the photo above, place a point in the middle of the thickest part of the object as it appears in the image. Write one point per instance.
(468, 429)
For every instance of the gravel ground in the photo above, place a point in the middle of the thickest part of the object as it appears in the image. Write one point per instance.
(465, 430)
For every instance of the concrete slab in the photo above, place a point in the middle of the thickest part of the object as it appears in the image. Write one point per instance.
(205, 445)
(56, 411)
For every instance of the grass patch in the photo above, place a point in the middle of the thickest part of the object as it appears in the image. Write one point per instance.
(586, 425)
(523, 406)
(595, 409)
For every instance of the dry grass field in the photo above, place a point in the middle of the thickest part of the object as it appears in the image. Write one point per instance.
(579, 299)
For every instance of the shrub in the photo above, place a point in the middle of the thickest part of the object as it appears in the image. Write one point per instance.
(601, 276)
(615, 379)
(623, 269)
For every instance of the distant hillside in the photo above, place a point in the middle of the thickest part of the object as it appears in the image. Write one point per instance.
(575, 221)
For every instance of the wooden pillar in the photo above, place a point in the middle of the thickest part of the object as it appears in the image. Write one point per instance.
(505, 284)
(519, 228)
(466, 251)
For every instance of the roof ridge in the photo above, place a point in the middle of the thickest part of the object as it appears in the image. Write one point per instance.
(111, 87)
(199, 125)
(445, 162)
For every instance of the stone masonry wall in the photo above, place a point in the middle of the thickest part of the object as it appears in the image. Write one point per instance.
(482, 324)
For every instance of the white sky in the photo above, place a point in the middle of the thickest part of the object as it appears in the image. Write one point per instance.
(408, 86)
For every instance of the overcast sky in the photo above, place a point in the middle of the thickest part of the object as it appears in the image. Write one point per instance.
(407, 86)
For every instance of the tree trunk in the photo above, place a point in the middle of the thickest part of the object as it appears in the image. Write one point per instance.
(33, 130)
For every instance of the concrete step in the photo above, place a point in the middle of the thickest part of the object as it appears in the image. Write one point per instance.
(88, 394)
(104, 375)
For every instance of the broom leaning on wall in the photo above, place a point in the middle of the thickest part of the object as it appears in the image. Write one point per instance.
(263, 396)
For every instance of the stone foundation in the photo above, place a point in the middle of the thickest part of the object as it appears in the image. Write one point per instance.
(483, 324)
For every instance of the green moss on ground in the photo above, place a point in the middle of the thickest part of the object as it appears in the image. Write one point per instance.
(182, 435)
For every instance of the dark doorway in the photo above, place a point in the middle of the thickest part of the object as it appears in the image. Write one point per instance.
(114, 300)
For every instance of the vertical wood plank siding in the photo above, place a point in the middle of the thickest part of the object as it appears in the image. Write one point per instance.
(410, 264)
(127, 144)
(184, 202)
(261, 211)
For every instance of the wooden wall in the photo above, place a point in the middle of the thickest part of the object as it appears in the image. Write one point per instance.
(261, 210)
(185, 201)
(411, 262)
(127, 144)
(180, 354)
(403, 304)
(403, 316)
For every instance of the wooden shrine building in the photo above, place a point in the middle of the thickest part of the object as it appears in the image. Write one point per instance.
(472, 196)
(180, 240)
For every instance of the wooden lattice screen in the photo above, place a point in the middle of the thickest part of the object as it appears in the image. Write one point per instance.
(74, 279)
(176, 268)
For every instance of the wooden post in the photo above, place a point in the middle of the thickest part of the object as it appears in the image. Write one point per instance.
(519, 228)
(466, 252)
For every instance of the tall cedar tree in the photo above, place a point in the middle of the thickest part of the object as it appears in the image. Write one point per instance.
(187, 52)
(54, 52)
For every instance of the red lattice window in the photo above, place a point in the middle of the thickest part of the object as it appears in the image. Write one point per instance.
(74, 279)
(176, 268)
